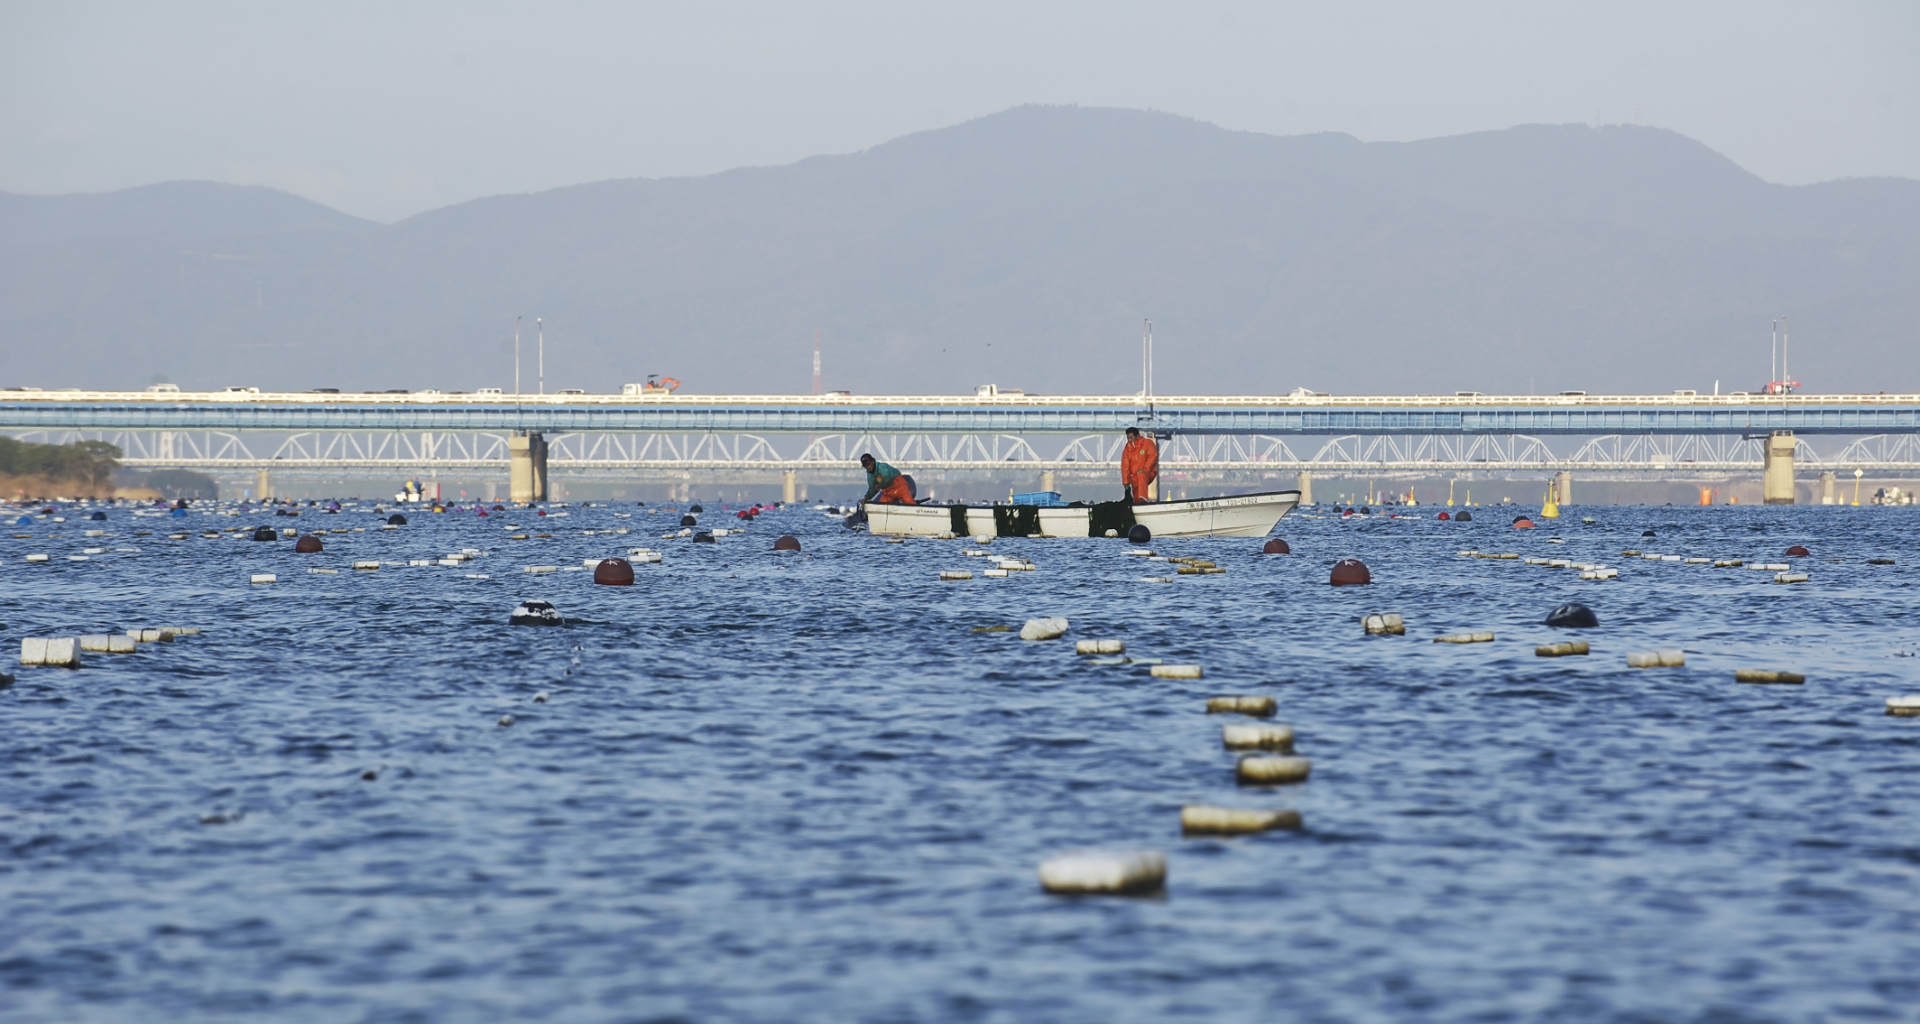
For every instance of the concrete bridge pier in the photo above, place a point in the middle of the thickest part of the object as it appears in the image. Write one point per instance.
(790, 486)
(527, 467)
(1777, 478)
(1306, 487)
(263, 489)
(1563, 486)
(1829, 482)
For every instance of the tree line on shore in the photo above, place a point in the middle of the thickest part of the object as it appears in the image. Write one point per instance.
(83, 469)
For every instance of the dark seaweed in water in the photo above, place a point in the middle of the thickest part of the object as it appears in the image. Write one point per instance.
(779, 787)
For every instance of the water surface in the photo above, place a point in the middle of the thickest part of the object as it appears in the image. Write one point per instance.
(800, 787)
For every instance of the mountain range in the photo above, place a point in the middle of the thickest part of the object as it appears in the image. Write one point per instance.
(1023, 249)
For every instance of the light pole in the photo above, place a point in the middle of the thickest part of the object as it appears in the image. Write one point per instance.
(540, 327)
(516, 355)
(1857, 474)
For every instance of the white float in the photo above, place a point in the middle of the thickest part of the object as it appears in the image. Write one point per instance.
(1261, 770)
(1044, 629)
(1093, 873)
(1257, 737)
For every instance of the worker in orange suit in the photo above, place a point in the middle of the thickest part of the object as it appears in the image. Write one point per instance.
(886, 483)
(1139, 466)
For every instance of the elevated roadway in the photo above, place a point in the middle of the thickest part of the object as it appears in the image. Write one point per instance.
(1277, 416)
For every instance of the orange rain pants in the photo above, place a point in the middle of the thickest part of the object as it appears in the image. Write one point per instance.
(895, 493)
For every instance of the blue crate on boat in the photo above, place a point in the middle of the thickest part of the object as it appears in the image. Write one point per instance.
(1044, 499)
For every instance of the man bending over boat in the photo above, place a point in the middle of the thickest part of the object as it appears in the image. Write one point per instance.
(885, 483)
(1139, 466)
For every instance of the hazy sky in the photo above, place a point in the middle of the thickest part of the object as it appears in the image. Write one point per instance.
(385, 110)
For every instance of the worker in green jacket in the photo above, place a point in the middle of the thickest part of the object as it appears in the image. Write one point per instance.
(886, 484)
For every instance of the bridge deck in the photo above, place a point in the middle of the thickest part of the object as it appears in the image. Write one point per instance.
(1010, 414)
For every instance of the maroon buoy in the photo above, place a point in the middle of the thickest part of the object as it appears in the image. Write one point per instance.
(787, 544)
(1350, 572)
(1276, 546)
(1444, 515)
(1797, 551)
(613, 572)
(307, 545)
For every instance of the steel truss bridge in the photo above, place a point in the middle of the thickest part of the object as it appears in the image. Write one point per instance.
(386, 453)
(332, 434)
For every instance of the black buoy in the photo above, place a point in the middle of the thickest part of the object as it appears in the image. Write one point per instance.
(396, 519)
(98, 516)
(1365, 511)
(1573, 616)
(1464, 517)
(688, 521)
(535, 613)
(1648, 533)
(266, 533)
(1139, 534)
(695, 509)
(703, 537)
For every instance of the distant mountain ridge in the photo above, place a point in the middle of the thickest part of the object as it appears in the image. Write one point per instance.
(1022, 248)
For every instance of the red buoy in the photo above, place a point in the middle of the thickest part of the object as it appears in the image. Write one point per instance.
(613, 572)
(1523, 523)
(1797, 551)
(1276, 546)
(787, 544)
(1349, 572)
(307, 545)
(1444, 516)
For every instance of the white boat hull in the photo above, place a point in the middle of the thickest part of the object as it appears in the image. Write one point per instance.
(1240, 515)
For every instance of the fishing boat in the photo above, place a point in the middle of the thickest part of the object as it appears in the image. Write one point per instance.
(1237, 515)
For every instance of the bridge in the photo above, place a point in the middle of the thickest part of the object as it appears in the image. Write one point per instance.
(1302, 433)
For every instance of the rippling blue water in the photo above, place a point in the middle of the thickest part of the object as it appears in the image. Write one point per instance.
(800, 788)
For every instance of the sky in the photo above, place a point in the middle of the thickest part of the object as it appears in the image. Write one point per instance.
(386, 110)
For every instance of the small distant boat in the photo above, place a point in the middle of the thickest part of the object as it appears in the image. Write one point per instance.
(1239, 515)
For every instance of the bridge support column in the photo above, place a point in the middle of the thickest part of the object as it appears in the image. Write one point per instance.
(1563, 486)
(527, 467)
(1046, 480)
(790, 486)
(1776, 486)
(1829, 482)
(1306, 487)
(264, 489)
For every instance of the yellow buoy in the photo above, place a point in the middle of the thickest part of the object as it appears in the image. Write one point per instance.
(1550, 509)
